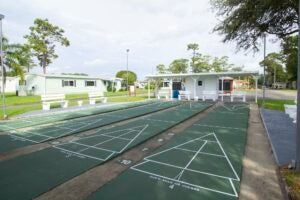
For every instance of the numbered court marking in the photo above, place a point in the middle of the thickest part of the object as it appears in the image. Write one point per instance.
(41, 135)
(191, 164)
(102, 146)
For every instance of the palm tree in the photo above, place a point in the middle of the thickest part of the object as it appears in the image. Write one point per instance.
(17, 59)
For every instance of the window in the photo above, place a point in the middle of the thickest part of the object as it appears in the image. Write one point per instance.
(90, 83)
(199, 83)
(70, 83)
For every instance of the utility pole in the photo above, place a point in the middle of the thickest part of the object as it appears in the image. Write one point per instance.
(2, 68)
(298, 104)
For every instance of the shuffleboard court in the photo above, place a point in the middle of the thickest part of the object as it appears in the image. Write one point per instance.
(21, 138)
(51, 118)
(202, 163)
(28, 176)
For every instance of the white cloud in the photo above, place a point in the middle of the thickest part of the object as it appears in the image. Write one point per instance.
(95, 62)
(155, 31)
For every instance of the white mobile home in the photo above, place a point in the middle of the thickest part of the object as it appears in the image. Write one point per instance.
(37, 84)
(11, 84)
(115, 83)
(197, 83)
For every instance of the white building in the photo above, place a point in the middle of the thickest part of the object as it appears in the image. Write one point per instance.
(10, 85)
(37, 84)
(196, 83)
(115, 83)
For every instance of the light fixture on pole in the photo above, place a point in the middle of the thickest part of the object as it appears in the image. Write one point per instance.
(127, 52)
(2, 67)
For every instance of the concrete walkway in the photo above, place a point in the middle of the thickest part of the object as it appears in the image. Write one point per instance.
(259, 179)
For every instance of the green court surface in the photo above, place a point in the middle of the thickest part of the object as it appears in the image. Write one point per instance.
(28, 176)
(202, 163)
(20, 138)
(51, 118)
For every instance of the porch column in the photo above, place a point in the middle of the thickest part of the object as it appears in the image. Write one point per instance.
(222, 87)
(256, 80)
(149, 89)
(156, 88)
(171, 88)
(195, 81)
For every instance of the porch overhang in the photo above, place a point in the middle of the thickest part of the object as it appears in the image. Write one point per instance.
(195, 75)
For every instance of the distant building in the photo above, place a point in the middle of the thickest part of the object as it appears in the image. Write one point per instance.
(198, 83)
(11, 84)
(37, 84)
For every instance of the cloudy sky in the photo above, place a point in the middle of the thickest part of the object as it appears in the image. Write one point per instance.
(100, 31)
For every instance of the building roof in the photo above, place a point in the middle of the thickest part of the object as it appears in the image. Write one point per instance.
(74, 76)
(217, 74)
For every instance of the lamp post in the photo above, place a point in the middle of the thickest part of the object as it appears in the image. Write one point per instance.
(298, 104)
(2, 67)
(127, 52)
(264, 81)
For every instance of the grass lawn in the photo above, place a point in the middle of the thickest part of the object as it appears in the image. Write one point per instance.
(12, 99)
(275, 104)
(247, 90)
(292, 179)
(123, 93)
(127, 99)
(11, 112)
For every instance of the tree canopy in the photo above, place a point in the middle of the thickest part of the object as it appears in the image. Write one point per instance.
(17, 58)
(289, 50)
(194, 47)
(274, 68)
(199, 63)
(42, 40)
(131, 76)
(246, 21)
(179, 66)
(161, 69)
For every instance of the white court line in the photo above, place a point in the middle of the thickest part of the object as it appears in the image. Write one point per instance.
(158, 120)
(226, 127)
(95, 146)
(233, 187)
(87, 146)
(101, 134)
(190, 141)
(134, 138)
(32, 134)
(20, 138)
(179, 175)
(187, 169)
(108, 140)
(117, 137)
(183, 182)
(62, 149)
(238, 178)
(210, 154)
(234, 113)
(188, 164)
(49, 137)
